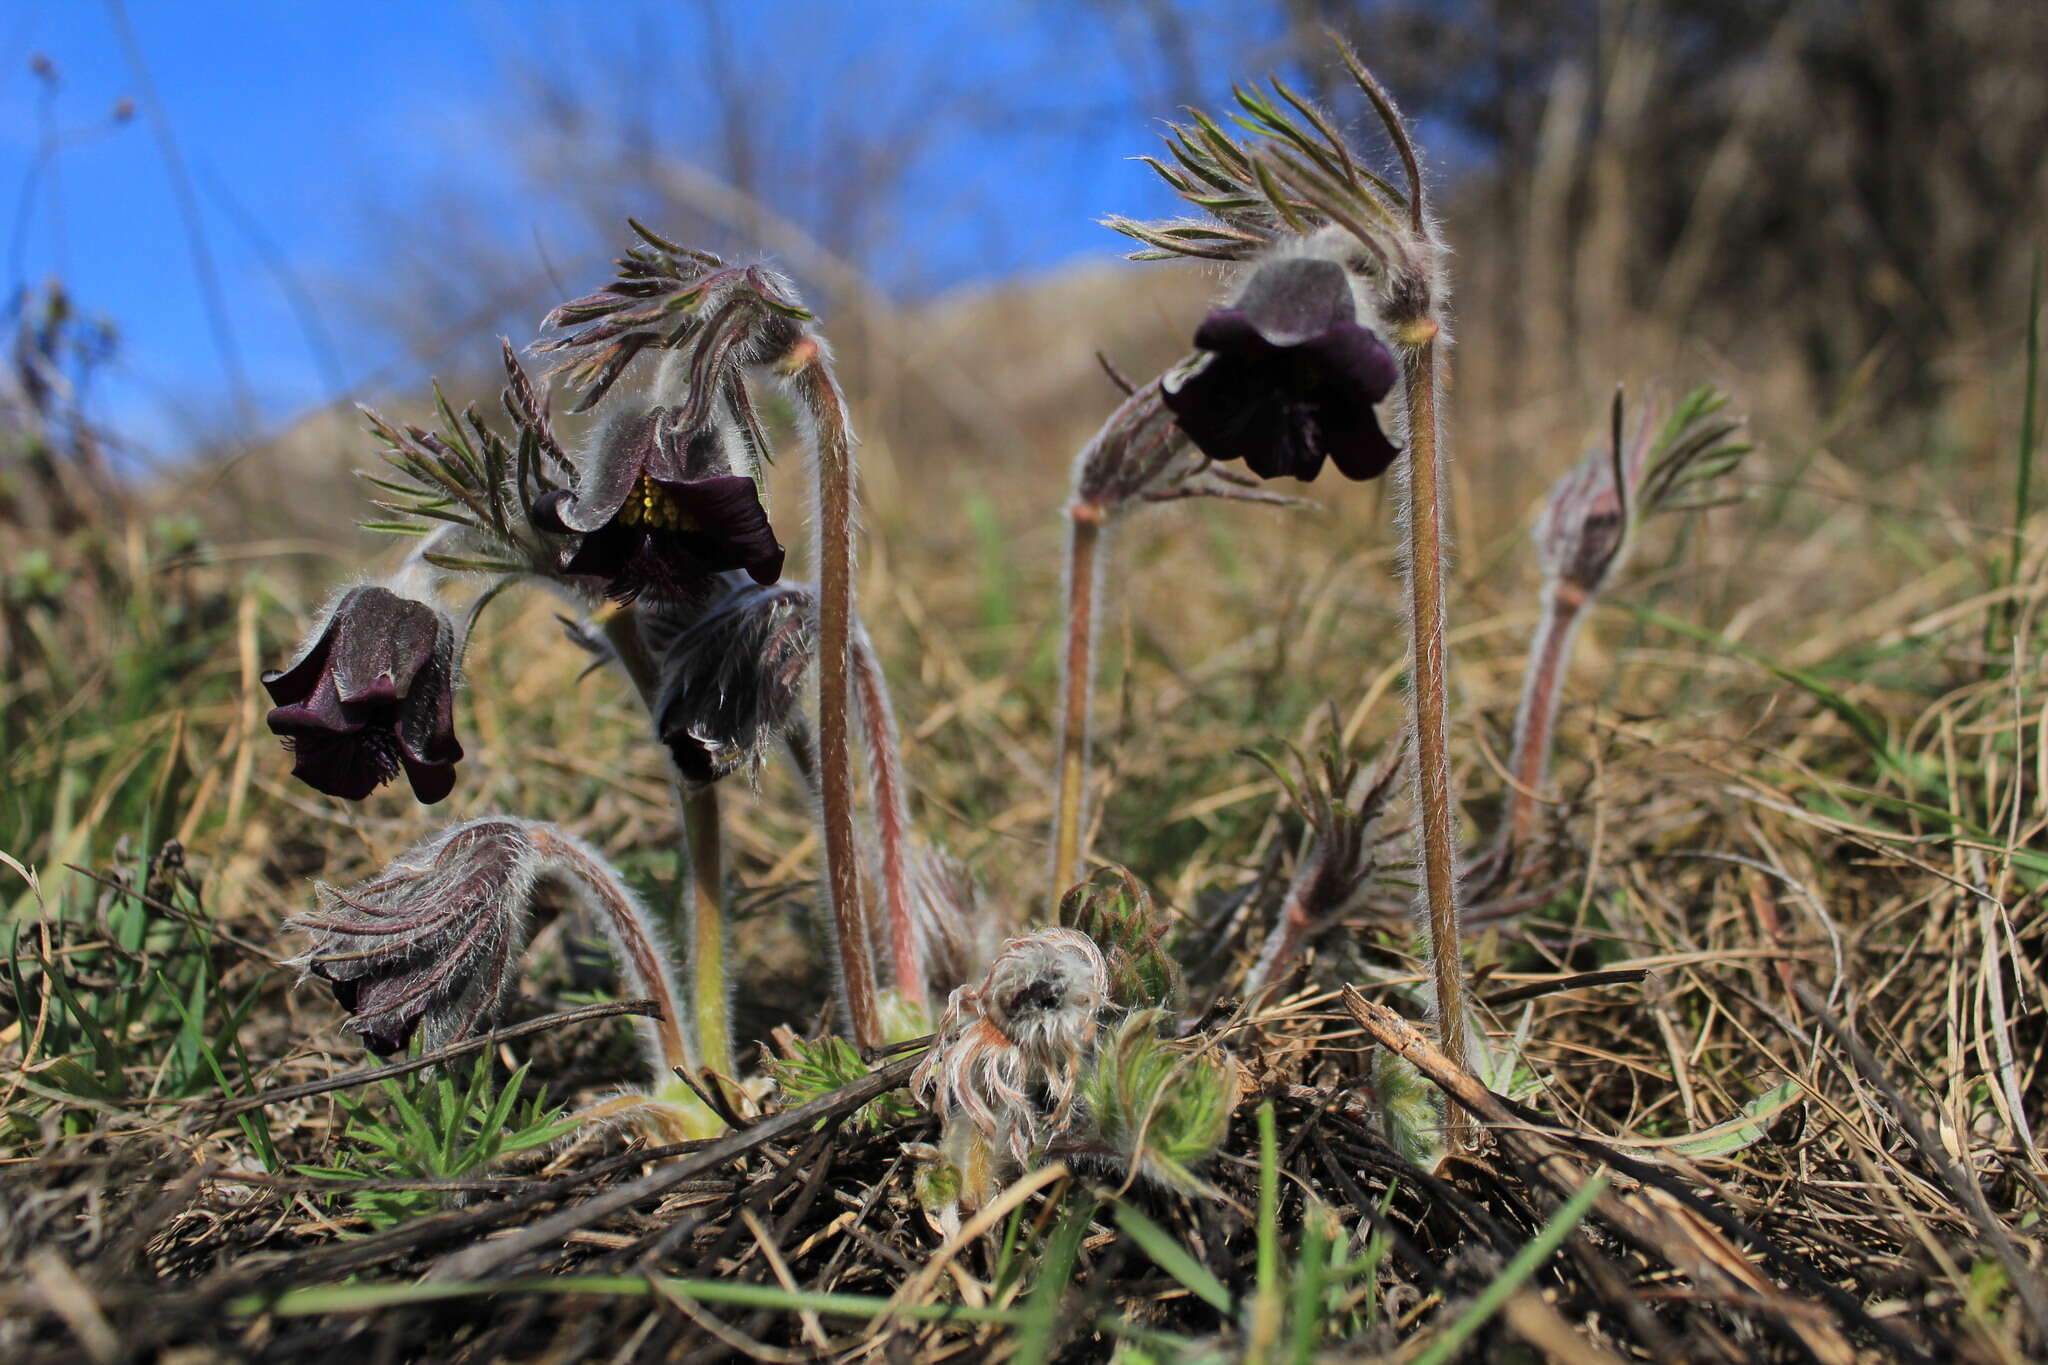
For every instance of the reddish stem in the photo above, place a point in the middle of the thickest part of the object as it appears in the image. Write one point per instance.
(1086, 523)
(892, 818)
(1535, 723)
(810, 376)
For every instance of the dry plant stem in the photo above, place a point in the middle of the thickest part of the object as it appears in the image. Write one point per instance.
(1086, 527)
(1429, 696)
(1535, 723)
(811, 378)
(644, 956)
(892, 818)
(709, 992)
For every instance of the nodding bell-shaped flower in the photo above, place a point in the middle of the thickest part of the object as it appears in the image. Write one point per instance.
(1290, 377)
(731, 672)
(431, 945)
(658, 510)
(373, 692)
(433, 941)
(1010, 1053)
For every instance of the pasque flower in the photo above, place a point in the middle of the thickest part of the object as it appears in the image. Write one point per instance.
(431, 945)
(730, 673)
(433, 939)
(372, 693)
(1289, 377)
(658, 510)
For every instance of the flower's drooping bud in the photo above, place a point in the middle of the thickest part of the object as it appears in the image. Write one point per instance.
(1009, 1054)
(730, 673)
(1113, 908)
(372, 693)
(430, 945)
(1584, 525)
(660, 508)
(1290, 377)
(1161, 1108)
(433, 940)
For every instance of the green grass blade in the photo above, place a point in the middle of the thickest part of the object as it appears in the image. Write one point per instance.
(1039, 1331)
(362, 1298)
(1170, 1256)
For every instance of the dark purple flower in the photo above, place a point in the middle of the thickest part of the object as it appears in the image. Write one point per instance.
(659, 512)
(1290, 378)
(730, 674)
(373, 693)
(433, 939)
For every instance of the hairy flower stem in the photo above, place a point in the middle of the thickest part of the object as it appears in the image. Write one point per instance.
(1550, 655)
(892, 819)
(709, 992)
(1086, 527)
(1429, 695)
(622, 631)
(810, 378)
(643, 957)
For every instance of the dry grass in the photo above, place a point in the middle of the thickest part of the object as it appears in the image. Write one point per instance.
(1846, 921)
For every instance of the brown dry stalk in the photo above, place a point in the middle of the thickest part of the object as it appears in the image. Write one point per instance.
(811, 376)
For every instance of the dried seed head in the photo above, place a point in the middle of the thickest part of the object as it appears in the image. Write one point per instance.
(1009, 1053)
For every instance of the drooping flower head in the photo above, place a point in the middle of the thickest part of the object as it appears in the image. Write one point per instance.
(372, 693)
(731, 670)
(1331, 266)
(660, 508)
(431, 945)
(433, 940)
(1288, 377)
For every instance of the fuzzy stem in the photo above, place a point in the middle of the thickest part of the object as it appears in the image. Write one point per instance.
(643, 958)
(811, 378)
(1429, 695)
(709, 993)
(622, 631)
(1550, 655)
(1085, 527)
(892, 819)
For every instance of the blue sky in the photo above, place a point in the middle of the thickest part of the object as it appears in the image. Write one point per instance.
(343, 155)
